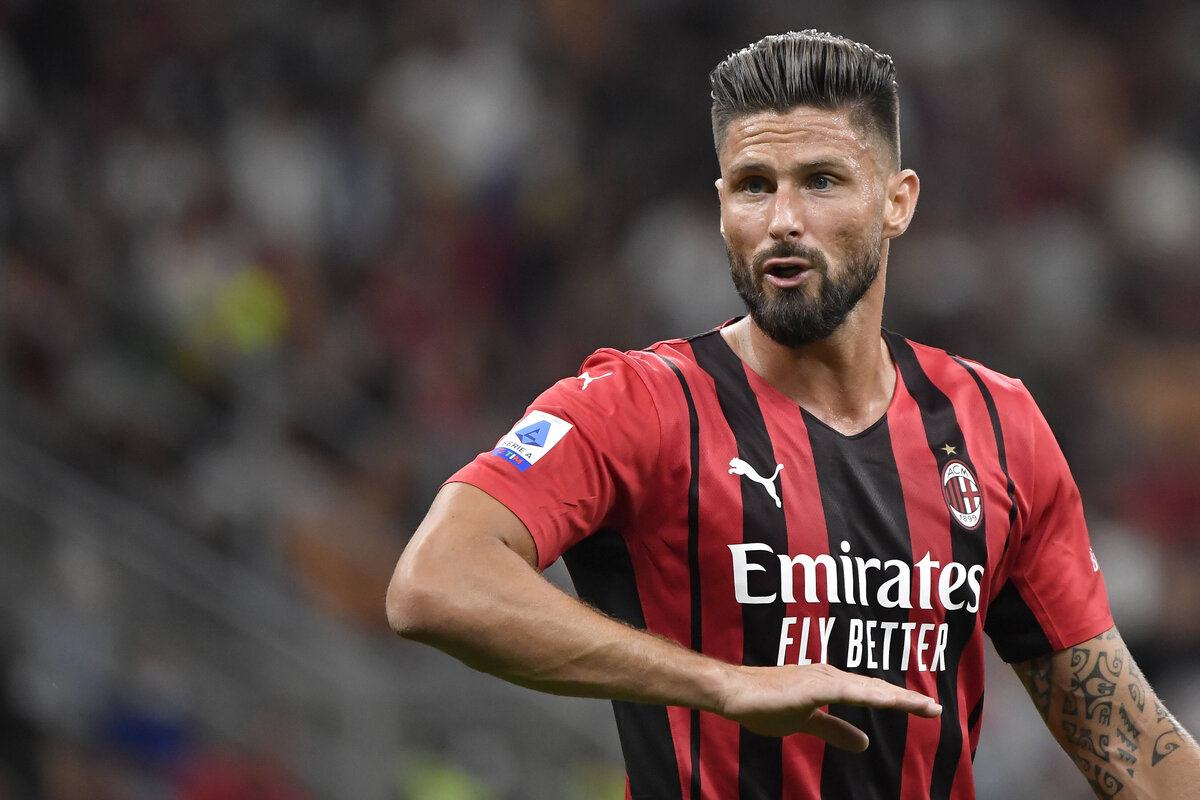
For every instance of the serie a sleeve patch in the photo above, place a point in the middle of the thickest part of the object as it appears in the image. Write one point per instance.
(531, 438)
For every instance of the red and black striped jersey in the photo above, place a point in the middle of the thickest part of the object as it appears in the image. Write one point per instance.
(689, 497)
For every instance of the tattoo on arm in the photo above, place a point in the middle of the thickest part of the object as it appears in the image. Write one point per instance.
(1094, 700)
(1170, 736)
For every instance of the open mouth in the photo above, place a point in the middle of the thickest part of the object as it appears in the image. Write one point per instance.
(787, 275)
(787, 270)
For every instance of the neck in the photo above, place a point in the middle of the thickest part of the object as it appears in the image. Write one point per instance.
(846, 381)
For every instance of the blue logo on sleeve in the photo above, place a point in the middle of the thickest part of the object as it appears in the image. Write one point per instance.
(531, 438)
(535, 434)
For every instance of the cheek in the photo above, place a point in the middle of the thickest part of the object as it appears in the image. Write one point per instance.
(846, 239)
(849, 232)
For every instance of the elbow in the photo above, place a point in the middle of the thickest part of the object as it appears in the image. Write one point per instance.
(412, 604)
(397, 606)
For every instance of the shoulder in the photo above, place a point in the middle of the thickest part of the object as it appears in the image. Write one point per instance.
(615, 387)
(658, 367)
(952, 372)
(998, 402)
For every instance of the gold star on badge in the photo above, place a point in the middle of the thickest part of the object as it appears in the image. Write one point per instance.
(950, 449)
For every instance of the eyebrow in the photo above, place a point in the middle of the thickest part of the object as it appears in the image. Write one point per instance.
(807, 166)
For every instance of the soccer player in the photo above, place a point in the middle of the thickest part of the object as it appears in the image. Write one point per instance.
(791, 533)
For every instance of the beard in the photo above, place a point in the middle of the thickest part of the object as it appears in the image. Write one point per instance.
(796, 316)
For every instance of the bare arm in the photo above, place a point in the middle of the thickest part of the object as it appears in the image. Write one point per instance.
(1097, 704)
(467, 584)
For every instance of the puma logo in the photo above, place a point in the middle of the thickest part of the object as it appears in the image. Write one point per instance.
(587, 379)
(739, 467)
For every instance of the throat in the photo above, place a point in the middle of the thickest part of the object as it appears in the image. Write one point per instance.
(846, 383)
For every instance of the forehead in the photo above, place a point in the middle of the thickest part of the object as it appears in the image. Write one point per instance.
(803, 132)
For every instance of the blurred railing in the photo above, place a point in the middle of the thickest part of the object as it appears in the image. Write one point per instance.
(248, 653)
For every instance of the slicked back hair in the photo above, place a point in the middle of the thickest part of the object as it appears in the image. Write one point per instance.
(808, 68)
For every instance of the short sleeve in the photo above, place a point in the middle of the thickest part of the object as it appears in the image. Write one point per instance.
(580, 457)
(1054, 596)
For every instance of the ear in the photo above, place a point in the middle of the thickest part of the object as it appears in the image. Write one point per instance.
(720, 184)
(902, 191)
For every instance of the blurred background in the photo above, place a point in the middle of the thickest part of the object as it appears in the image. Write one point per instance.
(270, 270)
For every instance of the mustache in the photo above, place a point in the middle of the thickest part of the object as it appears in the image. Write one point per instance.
(814, 257)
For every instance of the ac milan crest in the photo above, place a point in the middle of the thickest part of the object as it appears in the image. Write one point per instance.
(962, 493)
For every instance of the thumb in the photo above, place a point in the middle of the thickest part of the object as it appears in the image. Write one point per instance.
(837, 732)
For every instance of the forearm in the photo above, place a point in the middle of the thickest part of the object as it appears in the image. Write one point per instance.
(491, 610)
(1103, 713)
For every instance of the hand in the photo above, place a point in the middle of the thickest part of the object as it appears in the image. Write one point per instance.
(777, 701)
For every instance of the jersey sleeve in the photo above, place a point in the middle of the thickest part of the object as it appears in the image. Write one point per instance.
(1054, 596)
(580, 457)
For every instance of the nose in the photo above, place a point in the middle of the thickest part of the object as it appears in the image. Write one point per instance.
(786, 215)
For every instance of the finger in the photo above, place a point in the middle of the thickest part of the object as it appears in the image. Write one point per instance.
(859, 690)
(838, 732)
(916, 703)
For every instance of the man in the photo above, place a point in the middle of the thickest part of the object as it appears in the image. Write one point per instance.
(793, 531)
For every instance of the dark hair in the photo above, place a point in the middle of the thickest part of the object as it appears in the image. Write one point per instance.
(808, 68)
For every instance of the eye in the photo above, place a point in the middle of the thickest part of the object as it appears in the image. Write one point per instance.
(821, 182)
(755, 185)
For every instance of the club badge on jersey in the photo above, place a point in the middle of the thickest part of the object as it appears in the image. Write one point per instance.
(962, 494)
(531, 438)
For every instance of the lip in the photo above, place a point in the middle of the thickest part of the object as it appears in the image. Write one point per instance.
(787, 281)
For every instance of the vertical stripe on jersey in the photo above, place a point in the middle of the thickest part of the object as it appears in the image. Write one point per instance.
(760, 767)
(697, 637)
(1010, 490)
(864, 509)
(969, 547)
(602, 571)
